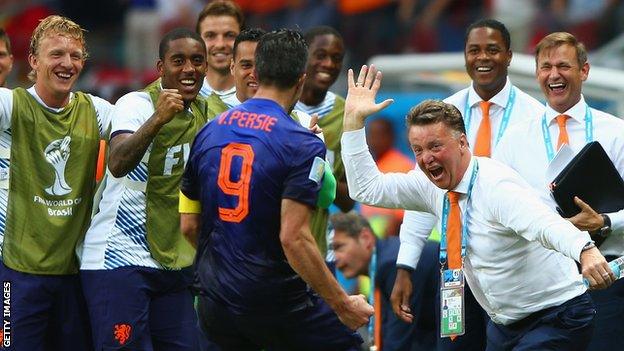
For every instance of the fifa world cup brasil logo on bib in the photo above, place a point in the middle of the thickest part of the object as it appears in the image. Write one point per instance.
(57, 154)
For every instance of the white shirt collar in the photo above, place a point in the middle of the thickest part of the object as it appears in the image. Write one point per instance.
(219, 93)
(463, 185)
(577, 112)
(499, 99)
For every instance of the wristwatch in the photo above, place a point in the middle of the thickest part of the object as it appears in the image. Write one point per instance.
(605, 229)
(590, 245)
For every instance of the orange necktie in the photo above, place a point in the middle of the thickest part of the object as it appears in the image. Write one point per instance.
(484, 134)
(453, 232)
(563, 132)
(378, 317)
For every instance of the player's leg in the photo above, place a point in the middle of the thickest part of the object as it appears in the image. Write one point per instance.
(118, 303)
(173, 322)
(26, 304)
(70, 325)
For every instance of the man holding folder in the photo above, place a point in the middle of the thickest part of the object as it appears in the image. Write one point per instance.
(561, 69)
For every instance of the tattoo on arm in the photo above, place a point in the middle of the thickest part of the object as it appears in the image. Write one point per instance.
(127, 150)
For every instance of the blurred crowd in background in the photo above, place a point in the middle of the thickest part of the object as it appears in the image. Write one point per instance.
(123, 35)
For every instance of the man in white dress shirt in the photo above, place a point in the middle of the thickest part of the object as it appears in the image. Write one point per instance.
(489, 106)
(516, 252)
(561, 69)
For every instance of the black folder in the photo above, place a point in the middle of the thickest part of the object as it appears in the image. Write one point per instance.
(593, 178)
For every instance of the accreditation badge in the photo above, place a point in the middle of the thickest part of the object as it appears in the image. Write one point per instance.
(452, 311)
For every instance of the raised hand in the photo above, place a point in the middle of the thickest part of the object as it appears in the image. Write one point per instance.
(360, 102)
(313, 126)
(168, 105)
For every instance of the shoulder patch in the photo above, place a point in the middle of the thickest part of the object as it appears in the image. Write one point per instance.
(317, 170)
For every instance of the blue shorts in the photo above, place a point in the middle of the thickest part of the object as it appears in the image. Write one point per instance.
(43, 312)
(141, 308)
(313, 328)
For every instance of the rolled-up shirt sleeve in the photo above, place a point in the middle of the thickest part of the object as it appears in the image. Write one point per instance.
(414, 232)
(368, 185)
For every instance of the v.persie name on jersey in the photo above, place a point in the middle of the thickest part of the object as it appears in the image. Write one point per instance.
(248, 120)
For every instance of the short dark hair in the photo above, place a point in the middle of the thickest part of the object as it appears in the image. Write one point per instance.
(435, 111)
(221, 8)
(174, 34)
(7, 41)
(490, 23)
(281, 58)
(251, 34)
(556, 39)
(318, 31)
(350, 223)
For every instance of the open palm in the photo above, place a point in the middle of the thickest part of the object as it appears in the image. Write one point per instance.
(360, 102)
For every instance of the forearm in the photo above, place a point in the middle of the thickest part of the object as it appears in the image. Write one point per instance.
(189, 226)
(127, 150)
(369, 186)
(535, 221)
(303, 255)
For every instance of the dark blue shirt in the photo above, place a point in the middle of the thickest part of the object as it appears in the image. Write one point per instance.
(241, 166)
(397, 335)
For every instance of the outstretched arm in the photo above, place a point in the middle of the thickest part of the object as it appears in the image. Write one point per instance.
(303, 256)
(365, 182)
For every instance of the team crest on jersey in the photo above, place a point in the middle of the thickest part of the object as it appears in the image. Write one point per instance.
(317, 170)
(57, 154)
(122, 332)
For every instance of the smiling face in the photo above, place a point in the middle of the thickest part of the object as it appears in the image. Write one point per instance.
(440, 154)
(560, 76)
(242, 69)
(487, 59)
(57, 64)
(219, 33)
(183, 67)
(326, 53)
(6, 62)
